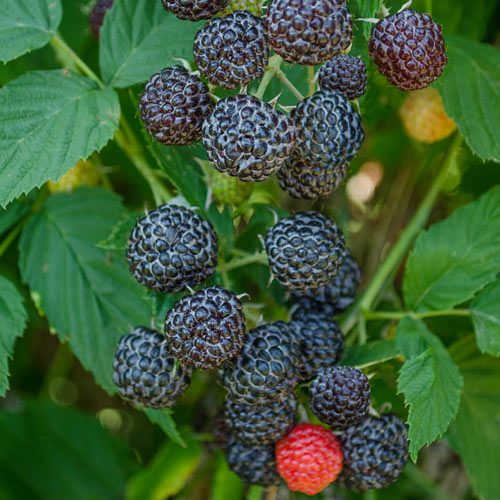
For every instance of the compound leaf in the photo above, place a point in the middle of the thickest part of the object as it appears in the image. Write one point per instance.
(470, 88)
(430, 381)
(456, 257)
(486, 318)
(26, 25)
(13, 320)
(48, 121)
(139, 38)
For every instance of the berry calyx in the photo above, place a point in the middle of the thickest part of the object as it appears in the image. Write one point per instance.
(309, 458)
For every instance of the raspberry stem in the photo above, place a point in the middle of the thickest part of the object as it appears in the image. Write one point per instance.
(311, 79)
(124, 136)
(273, 66)
(374, 315)
(271, 493)
(283, 78)
(258, 258)
(399, 250)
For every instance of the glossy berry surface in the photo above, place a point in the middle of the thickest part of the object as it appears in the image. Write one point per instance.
(329, 129)
(375, 453)
(207, 328)
(174, 105)
(337, 295)
(345, 74)
(305, 250)
(247, 138)
(194, 10)
(267, 368)
(340, 396)
(309, 458)
(254, 464)
(265, 423)
(309, 31)
(321, 342)
(145, 373)
(233, 50)
(96, 16)
(172, 248)
(408, 49)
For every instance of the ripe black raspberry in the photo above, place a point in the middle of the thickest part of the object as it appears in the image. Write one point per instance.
(252, 463)
(247, 138)
(321, 342)
(266, 368)
(309, 31)
(207, 328)
(340, 396)
(335, 297)
(346, 74)
(310, 181)
(145, 373)
(174, 105)
(329, 130)
(96, 16)
(265, 423)
(305, 250)
(232, 51)
(408, 49)
(172, 248)
(194, 10)
(375, 453)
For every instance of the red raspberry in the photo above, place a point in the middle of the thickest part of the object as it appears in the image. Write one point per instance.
(309, 458)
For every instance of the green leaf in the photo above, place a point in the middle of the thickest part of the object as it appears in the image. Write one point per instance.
(430, 381)
(370, 354)
(48, 121)
(13, 320)
(53, 453)
(486, 318)
(167, 474)
(117, 240)
(26, 25)
(475, 433)
(13, 213)
(164, 419)
(455, 258)
(255, 493)
(226, 485)
(470, 88)
(88, 295)
(368, 9)
(139, 38)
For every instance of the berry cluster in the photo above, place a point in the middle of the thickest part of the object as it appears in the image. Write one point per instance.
(173, 249)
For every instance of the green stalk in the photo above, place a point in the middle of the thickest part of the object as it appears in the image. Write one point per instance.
(375, 315)
(399, 250)
(124, 137)
(258, 258)
(281, 76)
(7, 241)
(271, 70)
(310, 80)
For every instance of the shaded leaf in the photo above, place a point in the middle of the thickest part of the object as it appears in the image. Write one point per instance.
(167, 473)
(13, 321)
(370, 354)
(226, 484)
(485, 309)
(53, 453)
(88, 295)
(475, 434)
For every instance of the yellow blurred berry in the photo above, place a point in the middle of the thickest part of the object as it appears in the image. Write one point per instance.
(424, 116)
(252, 6)
(229, 190)
(83, 173)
